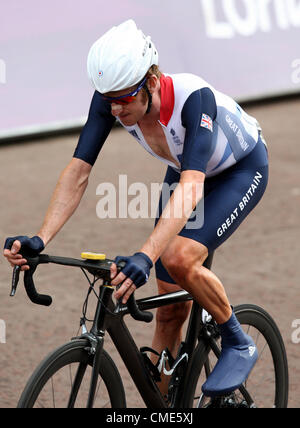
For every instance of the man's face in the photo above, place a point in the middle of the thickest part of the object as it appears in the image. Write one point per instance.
(132, 112)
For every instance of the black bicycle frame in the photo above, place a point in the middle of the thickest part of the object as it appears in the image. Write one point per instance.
(114, 324)
(110, 317)
(112, 321)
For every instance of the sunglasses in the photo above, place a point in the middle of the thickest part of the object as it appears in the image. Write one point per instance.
(125, 99)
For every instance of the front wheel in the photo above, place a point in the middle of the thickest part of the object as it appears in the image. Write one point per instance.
(267, 384)
(63, 380)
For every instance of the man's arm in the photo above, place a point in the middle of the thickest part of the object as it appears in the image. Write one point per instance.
(178, 210)
(66, 197)
(73, 180)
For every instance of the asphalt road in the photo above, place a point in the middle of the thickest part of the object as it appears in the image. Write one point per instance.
(259, 264)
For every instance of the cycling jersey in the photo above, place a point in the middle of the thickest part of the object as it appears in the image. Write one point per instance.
(205, 129)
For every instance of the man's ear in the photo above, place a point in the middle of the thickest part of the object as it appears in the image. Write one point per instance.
(152, 82)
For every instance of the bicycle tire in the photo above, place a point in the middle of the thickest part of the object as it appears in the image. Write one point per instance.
(259, 319)
(73, 352)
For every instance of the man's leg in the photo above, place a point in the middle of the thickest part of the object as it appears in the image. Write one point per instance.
(184, 262)
(169, 321)
(205, 287)
(169, 325)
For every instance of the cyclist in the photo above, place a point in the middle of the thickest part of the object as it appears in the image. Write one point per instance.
(215, 153)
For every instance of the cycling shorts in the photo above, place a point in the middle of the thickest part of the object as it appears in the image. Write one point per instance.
(228, 199)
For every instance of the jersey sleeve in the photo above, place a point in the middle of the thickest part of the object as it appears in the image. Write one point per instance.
(198, 114)
(94, 133)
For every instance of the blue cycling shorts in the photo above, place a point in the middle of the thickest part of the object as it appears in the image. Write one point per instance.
(228, 199)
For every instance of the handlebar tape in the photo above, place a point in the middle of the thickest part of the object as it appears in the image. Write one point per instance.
(135, 311)
(34, 296)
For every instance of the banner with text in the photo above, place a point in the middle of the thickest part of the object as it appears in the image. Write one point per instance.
(245, 48)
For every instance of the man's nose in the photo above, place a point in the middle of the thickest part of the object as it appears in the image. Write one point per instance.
(116, 109)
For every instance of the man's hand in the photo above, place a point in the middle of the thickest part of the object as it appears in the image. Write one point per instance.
(133, 275)
(19, 247)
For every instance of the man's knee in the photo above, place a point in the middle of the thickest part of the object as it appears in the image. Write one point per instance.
(176, 263)
(179, 260)
(173, 316)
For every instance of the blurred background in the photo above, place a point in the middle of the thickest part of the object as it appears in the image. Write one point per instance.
(248, 49)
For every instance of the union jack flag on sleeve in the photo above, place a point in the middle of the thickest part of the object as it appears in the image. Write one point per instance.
(206, 122)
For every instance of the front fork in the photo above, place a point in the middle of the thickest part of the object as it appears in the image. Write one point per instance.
(96, 337)
(95, 371)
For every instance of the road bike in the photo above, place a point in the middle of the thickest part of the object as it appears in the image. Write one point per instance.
(81, 373)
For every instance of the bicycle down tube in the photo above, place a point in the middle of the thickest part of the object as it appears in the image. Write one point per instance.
(131, 355)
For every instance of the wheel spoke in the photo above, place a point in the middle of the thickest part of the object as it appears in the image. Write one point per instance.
(63, 380)
(53, 394)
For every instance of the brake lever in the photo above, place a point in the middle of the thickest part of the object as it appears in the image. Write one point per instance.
(15, 280)
(132, 306)
(34, 296)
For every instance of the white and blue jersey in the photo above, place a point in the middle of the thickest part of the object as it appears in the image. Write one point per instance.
(191, 110)
(206, 131)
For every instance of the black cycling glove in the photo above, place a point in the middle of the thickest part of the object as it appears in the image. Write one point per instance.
(30, 247)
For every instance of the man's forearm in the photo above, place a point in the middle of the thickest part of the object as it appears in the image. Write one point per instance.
(66, 198)
(174, 217)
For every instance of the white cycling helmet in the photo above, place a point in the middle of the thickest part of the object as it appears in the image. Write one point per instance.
(120, 58)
